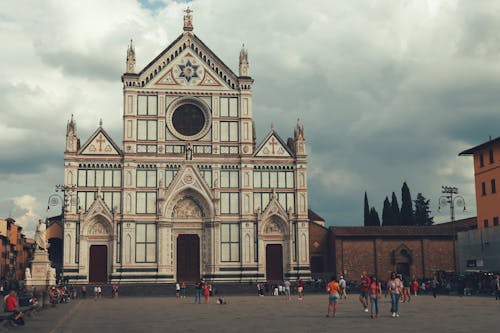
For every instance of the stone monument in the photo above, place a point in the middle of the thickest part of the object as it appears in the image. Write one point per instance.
(41, 272)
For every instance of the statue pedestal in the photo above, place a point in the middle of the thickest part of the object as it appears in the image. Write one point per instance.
(42, 275)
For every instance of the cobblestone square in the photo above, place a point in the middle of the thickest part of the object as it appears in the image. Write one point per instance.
(264, 314)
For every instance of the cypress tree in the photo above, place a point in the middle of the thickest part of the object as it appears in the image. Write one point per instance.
(395, 209)
(406, 214)
(388, 217)
(374, 219)
(367, 212)
(422, 211)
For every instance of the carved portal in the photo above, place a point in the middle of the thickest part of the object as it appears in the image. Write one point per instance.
(98, 229)
(273, 226)
(187, 208)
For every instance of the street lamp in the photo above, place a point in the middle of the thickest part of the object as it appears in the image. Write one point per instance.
(450, 197)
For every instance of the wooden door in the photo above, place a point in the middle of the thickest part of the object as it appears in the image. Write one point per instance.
(274, 262)
(188, 258)
(98, 264)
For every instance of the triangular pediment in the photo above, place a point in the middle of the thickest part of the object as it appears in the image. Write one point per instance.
(187, 182)
(100, 143)
(99, 207)
(188, 63)
(274, 208)
(273, 146)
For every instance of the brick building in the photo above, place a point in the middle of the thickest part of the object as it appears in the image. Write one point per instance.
(16, 251)
(411, 250)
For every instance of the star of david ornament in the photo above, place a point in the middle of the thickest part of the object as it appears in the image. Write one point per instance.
(188, 71)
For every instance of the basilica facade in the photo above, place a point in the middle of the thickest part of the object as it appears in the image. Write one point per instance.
(188, 193)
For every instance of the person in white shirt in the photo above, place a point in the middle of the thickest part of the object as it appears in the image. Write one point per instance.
(343, 287)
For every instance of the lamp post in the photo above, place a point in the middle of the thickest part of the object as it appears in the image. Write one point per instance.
(450, 197)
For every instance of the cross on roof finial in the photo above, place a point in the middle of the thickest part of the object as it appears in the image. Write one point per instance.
(100, 122)
(188, 20)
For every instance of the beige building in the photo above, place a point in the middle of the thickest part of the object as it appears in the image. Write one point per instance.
(188, 194)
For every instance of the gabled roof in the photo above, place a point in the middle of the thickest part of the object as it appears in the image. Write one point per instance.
(273, 151)
(482, 146)
(150, 71)
(100, 146)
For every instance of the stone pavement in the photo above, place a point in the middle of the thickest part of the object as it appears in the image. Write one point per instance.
(265, 314)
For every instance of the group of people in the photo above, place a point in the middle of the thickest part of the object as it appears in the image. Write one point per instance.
(371, 292)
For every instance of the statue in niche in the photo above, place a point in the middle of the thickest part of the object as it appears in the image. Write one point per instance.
(272, 228)
(97, 229)
(41, 236)
(189, 152)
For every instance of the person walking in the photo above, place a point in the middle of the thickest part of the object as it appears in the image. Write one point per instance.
(343, 287)
(497, 287)
(375, 294)
(198, 290)
(300, 289)
(183, 289)
(414, 285)
(394, 287)
(206, 292)
(363, 297)
(287, 290)
(406, 288)
(435, 285)
(177, 290)
(333, 291)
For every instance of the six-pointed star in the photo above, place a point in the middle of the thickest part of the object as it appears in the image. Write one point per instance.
(188, 71)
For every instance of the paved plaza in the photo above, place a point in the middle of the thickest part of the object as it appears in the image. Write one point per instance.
(264, 314)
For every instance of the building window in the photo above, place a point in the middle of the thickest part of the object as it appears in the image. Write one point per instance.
(146, 130)
(113, 201)
(495, 221)
(483, 188)
(99, 178)
(229, 107)
(146, 178)
(229, 178)
(206, 173)
(485, 223)
(229, 203)
(481, 160)
(85, 199)
(147, 105)
(228, 131)
(286, 200)
(169, 176)
(230, 242)
(493, 186)
(256, 244)
(273, 179)
(492, 160)
(146, 203)
(145, 242)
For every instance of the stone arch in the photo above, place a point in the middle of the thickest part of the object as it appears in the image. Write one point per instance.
(274, 225)
(98, 225)
(196, 197)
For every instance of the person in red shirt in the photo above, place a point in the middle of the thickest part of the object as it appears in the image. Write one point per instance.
(333, 290)
(300, 289)
(365, 285)
(11, 305)
(375, 294)
(415, 286)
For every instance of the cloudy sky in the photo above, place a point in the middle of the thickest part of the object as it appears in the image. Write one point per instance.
(388, 91)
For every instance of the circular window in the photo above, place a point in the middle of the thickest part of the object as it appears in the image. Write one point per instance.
(188, 119)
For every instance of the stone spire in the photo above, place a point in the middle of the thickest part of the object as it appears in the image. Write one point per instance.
(72, 141)
(299, 139)
(244, 67)
(130, 58)
(188, 20)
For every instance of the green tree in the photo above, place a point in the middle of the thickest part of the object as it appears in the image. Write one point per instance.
(374, 219)
(367, 212)
(422, 211)
(395, 209)
(388, 216)
(406, 214)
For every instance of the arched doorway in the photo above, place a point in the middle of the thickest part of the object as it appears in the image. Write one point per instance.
(273, 235)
